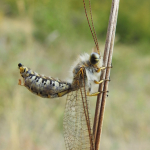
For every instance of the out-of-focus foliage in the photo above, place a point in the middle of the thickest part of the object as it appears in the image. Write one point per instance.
(134, 21)
(48, 15)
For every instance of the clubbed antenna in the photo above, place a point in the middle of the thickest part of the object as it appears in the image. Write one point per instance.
(93, 35)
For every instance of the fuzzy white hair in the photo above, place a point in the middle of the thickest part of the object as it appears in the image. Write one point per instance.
(90, 75)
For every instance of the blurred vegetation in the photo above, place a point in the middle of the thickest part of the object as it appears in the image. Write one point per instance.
(66, 16)
(47, 36)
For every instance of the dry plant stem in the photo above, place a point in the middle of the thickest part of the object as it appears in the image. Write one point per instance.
(107, 59)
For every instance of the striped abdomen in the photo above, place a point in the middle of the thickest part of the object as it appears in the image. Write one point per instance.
(43, 86)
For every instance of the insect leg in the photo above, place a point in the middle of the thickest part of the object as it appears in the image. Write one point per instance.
(95, 94)
(101, 81)
(102, 68)
(60, 94)
(99, 69)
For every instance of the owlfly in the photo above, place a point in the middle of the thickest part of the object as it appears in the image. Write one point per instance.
(78, 132)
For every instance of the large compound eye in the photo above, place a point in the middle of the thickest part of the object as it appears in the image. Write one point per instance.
(94, 58)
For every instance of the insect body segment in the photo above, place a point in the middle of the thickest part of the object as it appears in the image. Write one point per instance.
(43, 86)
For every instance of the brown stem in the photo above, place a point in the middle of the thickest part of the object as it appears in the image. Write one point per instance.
(107, 59)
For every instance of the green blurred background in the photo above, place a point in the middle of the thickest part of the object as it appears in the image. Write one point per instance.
(48, 36)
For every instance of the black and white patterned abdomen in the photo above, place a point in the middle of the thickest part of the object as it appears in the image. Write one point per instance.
(43, 86)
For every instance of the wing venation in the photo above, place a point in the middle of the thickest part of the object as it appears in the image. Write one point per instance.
(77, 126)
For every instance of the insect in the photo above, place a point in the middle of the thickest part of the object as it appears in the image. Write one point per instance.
(77, 124)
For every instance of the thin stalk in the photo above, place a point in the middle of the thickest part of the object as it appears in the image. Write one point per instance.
(107, 59)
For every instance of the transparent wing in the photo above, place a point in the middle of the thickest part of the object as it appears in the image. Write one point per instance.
(77, 122)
